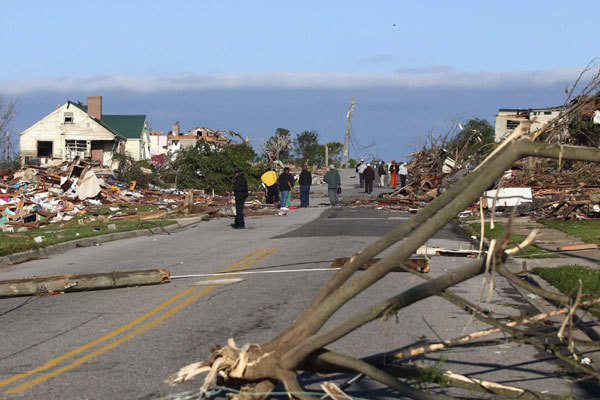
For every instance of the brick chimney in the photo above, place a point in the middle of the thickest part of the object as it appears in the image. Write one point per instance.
(94, 106)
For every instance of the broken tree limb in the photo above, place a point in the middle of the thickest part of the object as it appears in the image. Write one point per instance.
(417, 264)
(450, 204)
(76, 282)
(416, 351)
(346, 362)
(296, 354)
(448, 378)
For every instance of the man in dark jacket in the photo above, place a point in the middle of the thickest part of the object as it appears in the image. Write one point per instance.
(240, 192)
(305, 181)
(369, 177)
(382, 172)
(286, 183)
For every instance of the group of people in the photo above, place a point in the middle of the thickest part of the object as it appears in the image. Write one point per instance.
(366, 174)
(279, 188)
(284, 184)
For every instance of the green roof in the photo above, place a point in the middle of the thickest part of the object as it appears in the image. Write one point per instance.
(128, 126)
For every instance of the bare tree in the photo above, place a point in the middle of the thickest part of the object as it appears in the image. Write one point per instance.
(276, 145)
(7, 113)
(303, 346)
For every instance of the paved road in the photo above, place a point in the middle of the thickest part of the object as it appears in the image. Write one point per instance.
(123, 343)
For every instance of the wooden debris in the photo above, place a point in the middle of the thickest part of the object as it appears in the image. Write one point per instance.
(334, 392)
(577, 246)
(75, 282)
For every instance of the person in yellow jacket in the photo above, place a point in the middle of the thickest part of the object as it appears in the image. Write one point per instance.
(269, 178)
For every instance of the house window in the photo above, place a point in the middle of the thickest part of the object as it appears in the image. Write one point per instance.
(75, 148)
(198, 133)
(512, 124)
(547, 112)
(44, 149)
(68, 118)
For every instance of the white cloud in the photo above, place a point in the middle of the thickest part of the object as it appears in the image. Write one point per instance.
(427, 77)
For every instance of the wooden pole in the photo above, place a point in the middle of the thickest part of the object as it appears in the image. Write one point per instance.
(76, 282)
(345, 150)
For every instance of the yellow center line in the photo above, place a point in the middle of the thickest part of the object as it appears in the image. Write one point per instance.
(130, 335)
(126, 327)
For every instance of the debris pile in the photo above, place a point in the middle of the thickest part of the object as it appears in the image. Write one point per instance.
(573, 193)
(35, 196)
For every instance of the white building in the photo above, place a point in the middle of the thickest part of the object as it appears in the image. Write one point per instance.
(508, 119)
(74, 129)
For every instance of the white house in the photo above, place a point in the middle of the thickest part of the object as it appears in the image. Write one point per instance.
(508, 119)
(74, 129)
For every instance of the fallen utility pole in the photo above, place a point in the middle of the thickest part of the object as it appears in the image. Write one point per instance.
(75, 282)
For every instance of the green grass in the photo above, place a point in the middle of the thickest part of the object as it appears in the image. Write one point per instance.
(565, 278)
(496, 233)
(587, 230)
(63, 232)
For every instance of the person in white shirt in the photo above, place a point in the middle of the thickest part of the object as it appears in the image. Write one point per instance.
(402, 171)
(360, 168)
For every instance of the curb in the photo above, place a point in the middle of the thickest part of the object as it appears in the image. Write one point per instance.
(180, 224)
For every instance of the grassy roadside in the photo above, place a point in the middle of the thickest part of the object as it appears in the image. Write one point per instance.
(587, 230)
(95, 222)
(474, 229)
(566, 279)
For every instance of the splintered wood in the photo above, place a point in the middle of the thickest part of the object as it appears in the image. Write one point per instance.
(417, 264)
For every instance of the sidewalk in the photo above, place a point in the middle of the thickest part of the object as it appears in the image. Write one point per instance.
(548, 239)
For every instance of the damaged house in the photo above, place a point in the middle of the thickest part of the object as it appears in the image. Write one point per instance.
(75, 129)
(508, 119)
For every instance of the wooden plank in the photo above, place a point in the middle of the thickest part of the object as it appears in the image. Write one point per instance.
(577, 246)
(76, 282)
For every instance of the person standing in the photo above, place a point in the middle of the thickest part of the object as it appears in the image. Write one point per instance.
(402, 171)
(269, 178)
(369, 176)
(285, 183)
(293, 181)
(333, 180)
(360, 168)
(394, 174)
(305, 180)
(382, 172)
(240, 193)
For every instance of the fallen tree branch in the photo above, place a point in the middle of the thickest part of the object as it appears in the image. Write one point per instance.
(295, 355)
(346, 362)
(416, 351)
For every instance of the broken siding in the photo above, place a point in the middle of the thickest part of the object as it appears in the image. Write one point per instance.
(54, 128)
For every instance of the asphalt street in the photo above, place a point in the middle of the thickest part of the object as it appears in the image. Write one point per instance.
(124, 343)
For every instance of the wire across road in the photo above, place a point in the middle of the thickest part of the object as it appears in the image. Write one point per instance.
(135, 328)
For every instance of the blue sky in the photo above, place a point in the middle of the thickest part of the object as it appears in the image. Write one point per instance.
(412, 65)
